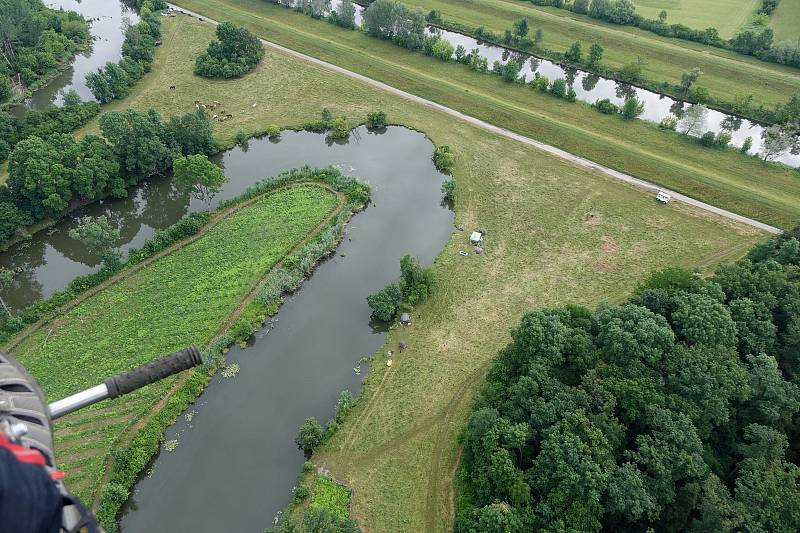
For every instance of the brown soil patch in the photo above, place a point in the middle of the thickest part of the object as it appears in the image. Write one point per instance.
(605, 266)
(593, 219)
(610, 246)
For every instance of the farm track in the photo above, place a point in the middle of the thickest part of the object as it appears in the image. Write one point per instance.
(558, 152)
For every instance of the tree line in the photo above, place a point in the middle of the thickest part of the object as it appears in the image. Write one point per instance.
(756, 38)
(34, 42)
(675, 411)
(47, 173)
(113, 81)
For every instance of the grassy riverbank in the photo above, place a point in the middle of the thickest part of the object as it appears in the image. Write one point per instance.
(182, 298)
(724, 178)
(556, 234)
(725, 73)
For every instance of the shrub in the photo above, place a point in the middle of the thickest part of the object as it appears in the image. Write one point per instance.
(746, 145)
(559, 88)
(309, 435)
(449, 190)
(443, 50)
(571, 95)
(723, 139)
(670, 122)
(443, 158)
(384, 303)
(540, 82)
(301, 494)
(340, 128)
(606, 107)
(708, 139)
(273, 131)
(632, 108)
(376, 119)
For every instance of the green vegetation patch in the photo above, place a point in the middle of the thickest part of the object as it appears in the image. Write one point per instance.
(785, 21)
(725, 15)
(179, 300)
(331, 496)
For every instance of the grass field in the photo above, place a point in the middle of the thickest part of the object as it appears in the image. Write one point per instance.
(723, 178)
(725, 73)
(725, 15)
(556, 233)
(179, 300)
(786, 20)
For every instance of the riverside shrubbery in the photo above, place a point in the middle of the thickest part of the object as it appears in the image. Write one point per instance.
(415, 286)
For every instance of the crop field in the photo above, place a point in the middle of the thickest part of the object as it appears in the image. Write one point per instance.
(725, 15)
(181, 299)
(725, 73)
(786, 20)
(557, 234)
(289, 96)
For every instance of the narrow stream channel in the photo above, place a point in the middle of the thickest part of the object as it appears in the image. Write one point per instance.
(236, 461)
(108, 19)
(591, 87)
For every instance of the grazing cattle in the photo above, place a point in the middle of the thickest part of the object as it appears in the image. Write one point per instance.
(171, 87)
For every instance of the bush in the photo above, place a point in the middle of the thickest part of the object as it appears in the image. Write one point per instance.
(708, 139)
(632, 108)
(235, 53)
(273, 131)
(443, 50)
(449, 190)
(340, 128)
(746, 145)
(540, 82)
(670, 122)
(559, 88)
(376, 120)
(443, 158)
(571, 95)
(309, 435)
(606, 107)
(385, 302)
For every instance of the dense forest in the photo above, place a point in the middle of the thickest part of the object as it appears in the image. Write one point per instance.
(34, 41)
(676, 411)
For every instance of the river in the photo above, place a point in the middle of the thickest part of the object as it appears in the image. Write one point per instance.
(108, 19)
(236, 461)
(591, 87)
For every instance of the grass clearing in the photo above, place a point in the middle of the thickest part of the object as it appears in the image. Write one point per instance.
(180, 299)
(549, 223)
(725, 15)
(726, 179)
(725, 73)
(786, 21)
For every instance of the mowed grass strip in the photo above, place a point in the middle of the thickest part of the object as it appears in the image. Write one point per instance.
(179, 300)
(724, 178)
(725, 73)
(725, 15)
(785, 21)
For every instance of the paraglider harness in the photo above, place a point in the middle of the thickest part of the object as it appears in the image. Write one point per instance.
(33, 497)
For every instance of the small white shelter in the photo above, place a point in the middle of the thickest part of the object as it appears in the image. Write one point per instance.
(663, 197)
(476, 237)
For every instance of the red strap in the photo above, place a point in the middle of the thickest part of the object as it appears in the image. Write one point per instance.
(28, 455)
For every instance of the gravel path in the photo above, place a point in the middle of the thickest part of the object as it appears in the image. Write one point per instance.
(558, 152)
